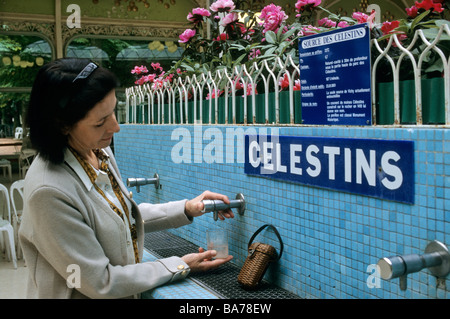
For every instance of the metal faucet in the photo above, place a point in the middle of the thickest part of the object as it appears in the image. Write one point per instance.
(138, 182)
(213, 205)
(436, 259)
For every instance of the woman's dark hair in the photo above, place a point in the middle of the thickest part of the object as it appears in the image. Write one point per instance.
(61, 96)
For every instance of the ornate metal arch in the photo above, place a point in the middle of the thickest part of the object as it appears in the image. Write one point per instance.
(45, 26)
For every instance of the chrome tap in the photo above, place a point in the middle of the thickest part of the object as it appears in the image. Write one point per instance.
(436, 258)
(138, 182)
(213, 205)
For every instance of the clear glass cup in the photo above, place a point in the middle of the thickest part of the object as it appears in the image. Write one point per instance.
(217, 240)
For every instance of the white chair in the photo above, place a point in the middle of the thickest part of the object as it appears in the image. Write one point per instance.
(6, 229)
(6, 166)
(16, 193)
(18, 133)
(26, 157)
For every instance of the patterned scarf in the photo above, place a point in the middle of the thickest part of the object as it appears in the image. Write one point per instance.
(116, 188)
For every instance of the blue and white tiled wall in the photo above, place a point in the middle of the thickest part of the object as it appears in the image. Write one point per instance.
(330, 238)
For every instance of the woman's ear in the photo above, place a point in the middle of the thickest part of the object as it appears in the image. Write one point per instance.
(65, 130)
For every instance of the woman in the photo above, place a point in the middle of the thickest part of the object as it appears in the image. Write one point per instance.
(78, 217)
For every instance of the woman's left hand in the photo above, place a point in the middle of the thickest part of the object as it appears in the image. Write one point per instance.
(203, 260)
(194, 207)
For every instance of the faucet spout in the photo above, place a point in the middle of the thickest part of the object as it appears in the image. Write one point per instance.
(436, 258)
(212, 205)
(138, 182)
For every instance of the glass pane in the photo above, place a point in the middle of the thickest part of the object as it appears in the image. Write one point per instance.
(21, 58)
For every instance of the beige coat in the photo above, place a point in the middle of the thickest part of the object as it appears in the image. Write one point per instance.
(71, 237)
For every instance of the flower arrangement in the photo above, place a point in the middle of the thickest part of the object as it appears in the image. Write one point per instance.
(243, 37)
(428, 16)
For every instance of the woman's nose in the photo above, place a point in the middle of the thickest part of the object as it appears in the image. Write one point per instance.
(114, 125)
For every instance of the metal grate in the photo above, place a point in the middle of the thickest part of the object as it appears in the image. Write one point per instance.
(222, 281)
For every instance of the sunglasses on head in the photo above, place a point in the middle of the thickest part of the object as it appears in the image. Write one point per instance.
(86, 72)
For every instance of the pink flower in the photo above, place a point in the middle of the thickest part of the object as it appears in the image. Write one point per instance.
(169, 78)
(429, 5)
(215, 93)
(222, 6)
(254, 53)
(238, 85)
(326, 22)
(222, 37)
(229, 18)
(343, 24)
(157, 67)
(371, 18)
(197, 15)
(389, 28)
(158, 84)
(139, 70)
(250, 89)
(412, 12)
(360, 17)
(187, 35)
(140, 81)
(301, 5)
(145, 79)
(309, 30)
(284, 82)
(363, 18)
(273, 16)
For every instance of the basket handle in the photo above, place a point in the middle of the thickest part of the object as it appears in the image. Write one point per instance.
(276, 233)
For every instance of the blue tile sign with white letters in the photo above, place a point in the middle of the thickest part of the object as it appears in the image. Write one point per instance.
(371, 167)
(335, 76)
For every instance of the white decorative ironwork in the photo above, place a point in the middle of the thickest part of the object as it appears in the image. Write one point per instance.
(176, 93)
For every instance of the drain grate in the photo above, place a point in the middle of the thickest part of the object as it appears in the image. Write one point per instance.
(223, 280)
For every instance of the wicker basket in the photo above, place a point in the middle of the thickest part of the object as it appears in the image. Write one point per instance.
(258, 260)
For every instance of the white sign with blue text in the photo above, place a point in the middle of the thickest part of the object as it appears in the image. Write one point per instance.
(335, 77)
(371, 167)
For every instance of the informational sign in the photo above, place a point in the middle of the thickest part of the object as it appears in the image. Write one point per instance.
(335, 77)
(372, 167)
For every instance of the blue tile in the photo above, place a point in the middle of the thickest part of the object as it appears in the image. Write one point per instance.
(344, 231)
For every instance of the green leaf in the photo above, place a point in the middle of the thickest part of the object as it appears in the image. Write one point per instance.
(436, 66)
(238, 60)
(431, 34)
(270, 51)
(271, 37)
(418, 19)
(188, 67)
(287, 34)
(347, 19)
(440, 23)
